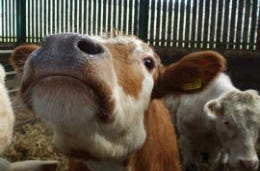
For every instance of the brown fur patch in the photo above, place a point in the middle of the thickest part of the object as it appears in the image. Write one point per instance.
(204, 66)
(19, 56)
(127, 68)
(160, 150)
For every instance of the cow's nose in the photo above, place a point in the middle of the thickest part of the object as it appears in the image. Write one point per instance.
(249, 164)
(89, 46)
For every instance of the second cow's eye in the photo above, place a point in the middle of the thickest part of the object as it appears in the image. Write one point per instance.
(227, 124)
(149, 63)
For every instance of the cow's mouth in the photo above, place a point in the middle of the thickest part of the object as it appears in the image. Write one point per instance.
(90, 88)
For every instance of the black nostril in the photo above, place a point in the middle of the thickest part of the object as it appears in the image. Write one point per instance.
(90, 47)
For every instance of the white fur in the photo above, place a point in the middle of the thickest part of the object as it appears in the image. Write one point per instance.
(2, 74)
(6, 114)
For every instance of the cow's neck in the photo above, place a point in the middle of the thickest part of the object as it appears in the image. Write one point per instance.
(94, 165)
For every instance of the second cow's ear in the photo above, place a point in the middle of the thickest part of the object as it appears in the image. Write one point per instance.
(190, 74)
(19, 56)
(213, 109)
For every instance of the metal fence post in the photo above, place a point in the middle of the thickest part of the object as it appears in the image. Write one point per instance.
(21, 21)
(258, 36)
(143, 19)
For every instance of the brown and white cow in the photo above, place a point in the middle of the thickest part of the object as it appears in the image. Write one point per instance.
(99, 96)
(222, 122)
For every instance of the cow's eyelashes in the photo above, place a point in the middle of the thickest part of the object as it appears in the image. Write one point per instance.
(149, 63)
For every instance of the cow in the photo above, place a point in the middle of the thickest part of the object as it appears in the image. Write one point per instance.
(221, 122)
(101, 97)
(6, 132)
(6, 114)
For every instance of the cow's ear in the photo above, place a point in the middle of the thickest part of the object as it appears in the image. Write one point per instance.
(190, 74)
(213, 109)
(34, 165)
(19, 56)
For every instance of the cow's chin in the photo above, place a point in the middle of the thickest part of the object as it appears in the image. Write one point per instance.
(62, 99)
(71, 109)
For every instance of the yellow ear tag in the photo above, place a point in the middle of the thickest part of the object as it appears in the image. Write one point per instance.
(196, 84)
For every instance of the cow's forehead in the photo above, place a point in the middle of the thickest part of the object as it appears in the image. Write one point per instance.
(138, 46)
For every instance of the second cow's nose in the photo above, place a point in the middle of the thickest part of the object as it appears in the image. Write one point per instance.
(249, 164)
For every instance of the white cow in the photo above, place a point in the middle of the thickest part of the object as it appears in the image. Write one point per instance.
(6, 114)
(222, 122)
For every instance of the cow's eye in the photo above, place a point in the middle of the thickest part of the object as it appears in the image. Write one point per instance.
(149, 63)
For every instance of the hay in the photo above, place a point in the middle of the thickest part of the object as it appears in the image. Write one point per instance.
(32, 140)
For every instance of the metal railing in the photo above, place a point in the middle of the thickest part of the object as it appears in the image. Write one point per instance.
(207, 24)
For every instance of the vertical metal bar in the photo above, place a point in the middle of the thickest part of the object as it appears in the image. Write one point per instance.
(5, 19)
(243, 11)
(100, 24)
(236, 28)
(222, 22)
(97, 17)
(238, 24)
(41, 19)
(209, 44)
(172, 22)
(29, 23)
(184, 23)
(131, 17)
(218, 24)
(77, 18)
(158, 29)
(110, 17)
(117, 15)
(33, 16)
(48, 25)
(124, 16)
(178, 23)
(165, 22)
(161, 31)
(1, 22)
(13, 21)
(45, 13)
(193, 27)
(91, 17)
(197, 24)
(153, 21)
(36, 21)
(62, 15)
(203, 25)
(21, 21)
(127, 17)
(257, 28)
(9, 22)
(71, 23)
(136, 16)
(87, 17)
(190, 23)
(143, 18)
(248, 24)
